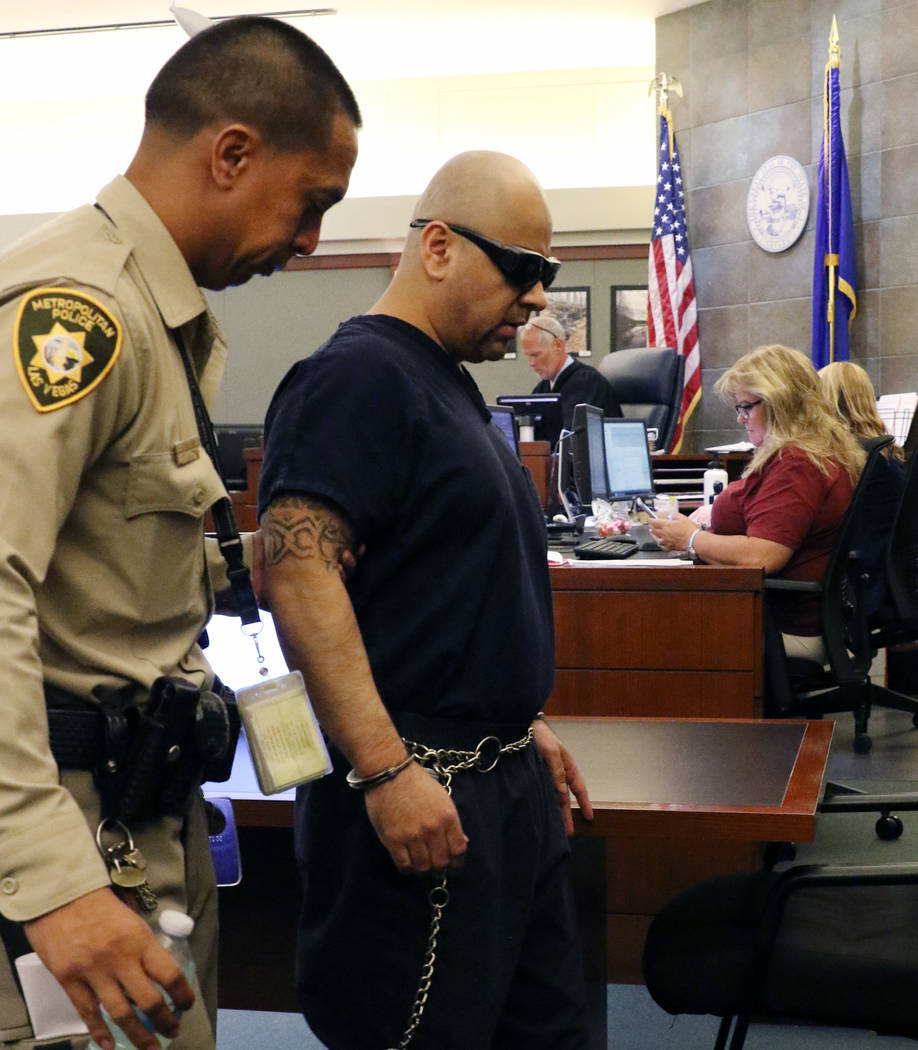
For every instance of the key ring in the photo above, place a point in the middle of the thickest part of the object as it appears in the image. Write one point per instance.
(125, 831)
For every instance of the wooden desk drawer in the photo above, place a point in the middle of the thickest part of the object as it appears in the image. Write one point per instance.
(656, 630)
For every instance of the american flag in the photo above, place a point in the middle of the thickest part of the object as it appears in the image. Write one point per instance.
(671, 315)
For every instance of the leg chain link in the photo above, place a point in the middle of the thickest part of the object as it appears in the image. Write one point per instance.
(443, 763)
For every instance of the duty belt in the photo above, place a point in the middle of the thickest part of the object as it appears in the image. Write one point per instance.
(146, 759)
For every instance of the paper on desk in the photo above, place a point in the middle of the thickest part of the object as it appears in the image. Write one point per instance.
(897, 411)
(629, 563)
(737, 446)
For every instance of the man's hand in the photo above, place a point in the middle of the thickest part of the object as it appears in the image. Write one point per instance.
(102, 952)
(417, 822)
(564, 773)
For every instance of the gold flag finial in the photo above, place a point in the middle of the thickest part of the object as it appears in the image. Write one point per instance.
(834, 49)
(662, 84)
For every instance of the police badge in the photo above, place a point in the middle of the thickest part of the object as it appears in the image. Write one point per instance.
(65, 344)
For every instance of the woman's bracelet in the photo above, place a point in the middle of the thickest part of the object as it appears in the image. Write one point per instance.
(382, 777)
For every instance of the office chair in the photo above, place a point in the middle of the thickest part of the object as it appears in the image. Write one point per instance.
(900, 613)
(648, 384)
(828, 944)
(795, 686)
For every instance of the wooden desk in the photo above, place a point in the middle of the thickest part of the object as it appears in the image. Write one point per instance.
(650, 781)
(676, 780)
(536, 455)
(683, 642)
(680, 642)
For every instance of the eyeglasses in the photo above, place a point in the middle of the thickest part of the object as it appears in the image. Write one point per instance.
(744, 408)
(521, 267)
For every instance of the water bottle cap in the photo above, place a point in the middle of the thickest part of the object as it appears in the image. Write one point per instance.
(176, 923)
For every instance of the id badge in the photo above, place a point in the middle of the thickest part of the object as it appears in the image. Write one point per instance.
(284, 738)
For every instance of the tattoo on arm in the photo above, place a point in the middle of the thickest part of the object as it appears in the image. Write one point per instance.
(305, 528)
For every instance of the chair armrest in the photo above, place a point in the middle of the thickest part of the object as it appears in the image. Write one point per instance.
(864, 803)
(806, 586)
(807, 875)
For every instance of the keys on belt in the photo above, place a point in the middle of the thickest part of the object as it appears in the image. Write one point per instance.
(126, 864)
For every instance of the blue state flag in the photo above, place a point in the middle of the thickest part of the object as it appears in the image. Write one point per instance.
(834, 264)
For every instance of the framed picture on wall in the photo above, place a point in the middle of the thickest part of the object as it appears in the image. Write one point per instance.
(629, 315)
(571, 306)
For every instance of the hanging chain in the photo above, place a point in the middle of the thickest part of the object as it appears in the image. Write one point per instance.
(443, 763)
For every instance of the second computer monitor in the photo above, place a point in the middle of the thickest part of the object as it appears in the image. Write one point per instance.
(627, 459)
(589, 454)
(543, 412)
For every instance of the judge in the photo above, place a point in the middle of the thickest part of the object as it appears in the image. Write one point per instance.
(543, 343)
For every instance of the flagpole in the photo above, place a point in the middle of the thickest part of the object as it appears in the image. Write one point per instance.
(832, 257)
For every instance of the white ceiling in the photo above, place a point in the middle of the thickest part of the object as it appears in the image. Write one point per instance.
(17, 15)
(383, 39)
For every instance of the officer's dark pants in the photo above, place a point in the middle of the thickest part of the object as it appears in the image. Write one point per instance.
(508, 969)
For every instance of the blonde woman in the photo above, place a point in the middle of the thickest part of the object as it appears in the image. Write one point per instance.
(849, 388)
(784, 513)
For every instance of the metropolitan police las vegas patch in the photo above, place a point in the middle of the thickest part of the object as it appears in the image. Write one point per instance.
(65, 344)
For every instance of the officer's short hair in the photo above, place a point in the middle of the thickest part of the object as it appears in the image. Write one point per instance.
(257, 71)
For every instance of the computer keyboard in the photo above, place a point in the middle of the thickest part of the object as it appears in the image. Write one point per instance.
(607, 548)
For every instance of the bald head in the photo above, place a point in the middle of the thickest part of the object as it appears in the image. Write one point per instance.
(452, 281)
(490, 192)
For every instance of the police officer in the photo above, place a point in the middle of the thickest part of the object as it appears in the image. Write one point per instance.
(249, 138)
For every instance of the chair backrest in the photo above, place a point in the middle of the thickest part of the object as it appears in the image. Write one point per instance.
(843, 604)
(902, 551)
(648, 384)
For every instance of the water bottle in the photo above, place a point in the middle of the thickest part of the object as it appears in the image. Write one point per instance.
(174, 930)
(715, 480)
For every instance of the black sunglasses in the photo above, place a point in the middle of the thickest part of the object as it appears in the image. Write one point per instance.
(521, 267)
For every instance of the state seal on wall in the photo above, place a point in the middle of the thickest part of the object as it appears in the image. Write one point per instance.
(778, 203)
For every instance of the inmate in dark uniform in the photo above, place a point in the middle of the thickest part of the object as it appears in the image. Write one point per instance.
(453, 602)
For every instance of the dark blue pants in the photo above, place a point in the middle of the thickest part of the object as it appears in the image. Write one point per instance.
(508, 970)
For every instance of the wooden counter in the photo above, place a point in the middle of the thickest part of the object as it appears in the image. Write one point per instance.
(640, 641)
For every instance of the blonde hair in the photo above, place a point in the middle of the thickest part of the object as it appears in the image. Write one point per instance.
(797, 411)
(849, 388)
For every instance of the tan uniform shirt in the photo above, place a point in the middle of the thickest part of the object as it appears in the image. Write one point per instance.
(103, 491)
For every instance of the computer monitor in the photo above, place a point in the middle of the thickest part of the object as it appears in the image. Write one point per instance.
(543, 410)
(627, 459)
(232, 440)
(589, 454)
(504, 418)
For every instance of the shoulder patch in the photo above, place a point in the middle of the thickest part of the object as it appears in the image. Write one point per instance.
(65, 344)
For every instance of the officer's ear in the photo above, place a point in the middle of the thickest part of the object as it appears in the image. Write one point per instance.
(232, 152)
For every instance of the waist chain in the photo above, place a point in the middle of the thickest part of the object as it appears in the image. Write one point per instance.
(443, 763)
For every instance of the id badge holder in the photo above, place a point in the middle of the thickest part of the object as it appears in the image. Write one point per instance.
(284, 738)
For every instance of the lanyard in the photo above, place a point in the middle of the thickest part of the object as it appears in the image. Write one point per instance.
(224, 519)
